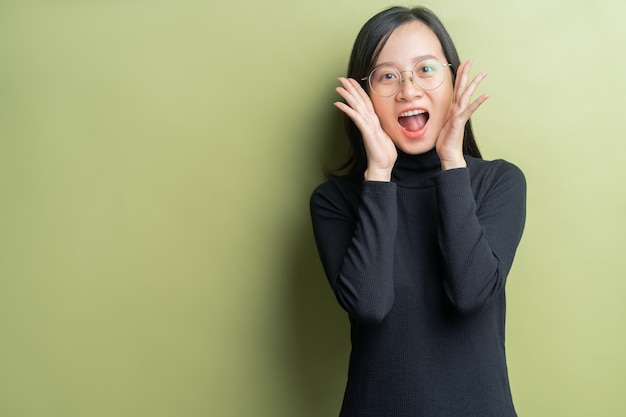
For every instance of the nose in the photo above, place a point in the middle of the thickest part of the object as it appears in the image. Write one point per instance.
(408, 88)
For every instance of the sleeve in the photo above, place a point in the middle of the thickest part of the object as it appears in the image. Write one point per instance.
(356, 246)
(478, 241)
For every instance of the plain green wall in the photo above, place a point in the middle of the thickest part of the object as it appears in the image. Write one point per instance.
(156, 159)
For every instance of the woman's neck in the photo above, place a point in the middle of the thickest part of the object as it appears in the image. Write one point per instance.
(416, 171)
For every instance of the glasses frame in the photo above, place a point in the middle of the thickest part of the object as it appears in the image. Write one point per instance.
(402, 79)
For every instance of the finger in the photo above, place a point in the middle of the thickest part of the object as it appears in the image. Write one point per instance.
(345, 94)
(461, 79)
(352, 86)
(471, 88)
(350, 98)
(349, 111)
(469, 111)
(363, 121)
(361, 93)
(477, 80)
(358, 88)
(355, 96)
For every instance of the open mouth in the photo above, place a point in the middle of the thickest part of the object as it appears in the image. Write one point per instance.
(413, 120)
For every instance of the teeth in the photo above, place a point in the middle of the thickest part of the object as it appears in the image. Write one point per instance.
(412, 113)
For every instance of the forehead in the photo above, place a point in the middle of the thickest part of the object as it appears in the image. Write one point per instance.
(409, 41)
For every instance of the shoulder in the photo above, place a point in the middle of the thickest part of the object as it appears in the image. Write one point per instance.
(493, 170)
(338, 192)
(495, 175)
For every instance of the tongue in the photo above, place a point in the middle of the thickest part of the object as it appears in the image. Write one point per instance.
(413, 123)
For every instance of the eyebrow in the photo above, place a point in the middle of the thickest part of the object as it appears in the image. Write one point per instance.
(415, 60)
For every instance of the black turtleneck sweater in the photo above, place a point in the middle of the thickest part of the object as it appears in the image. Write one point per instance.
(420, 265)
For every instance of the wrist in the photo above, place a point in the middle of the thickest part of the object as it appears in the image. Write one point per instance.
(383, 175)
(453, 164)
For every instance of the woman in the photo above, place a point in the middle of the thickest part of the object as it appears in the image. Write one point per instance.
(417, 239)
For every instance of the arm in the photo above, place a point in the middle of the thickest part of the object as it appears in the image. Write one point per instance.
(478, 240)
(354, 228)
(355, 239)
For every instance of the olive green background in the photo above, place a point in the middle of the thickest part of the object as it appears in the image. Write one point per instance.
(156, 159)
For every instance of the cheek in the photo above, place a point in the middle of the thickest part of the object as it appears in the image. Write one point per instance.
(445, 99)
(383, 110)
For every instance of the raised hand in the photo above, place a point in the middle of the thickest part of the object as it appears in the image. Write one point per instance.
(450, 140)
(379, 148)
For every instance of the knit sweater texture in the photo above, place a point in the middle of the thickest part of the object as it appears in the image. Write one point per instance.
(420, 265)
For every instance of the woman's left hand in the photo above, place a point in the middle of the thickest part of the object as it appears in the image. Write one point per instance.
(450, 141)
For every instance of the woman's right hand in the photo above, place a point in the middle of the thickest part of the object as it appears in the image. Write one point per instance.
(379, 148)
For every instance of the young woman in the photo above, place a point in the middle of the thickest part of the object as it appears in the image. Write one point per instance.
(417, 238)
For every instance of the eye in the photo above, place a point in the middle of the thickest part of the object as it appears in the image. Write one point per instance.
(385, 75)
(426, 68)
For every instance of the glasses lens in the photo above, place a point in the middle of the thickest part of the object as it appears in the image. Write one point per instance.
(428, 74)
(385, 81)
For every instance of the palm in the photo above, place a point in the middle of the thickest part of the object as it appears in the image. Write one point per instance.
(379, 148)
(450, 141)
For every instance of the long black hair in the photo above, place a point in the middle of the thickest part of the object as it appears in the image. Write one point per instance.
(367, 46)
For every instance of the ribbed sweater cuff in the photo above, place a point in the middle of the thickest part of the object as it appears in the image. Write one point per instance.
(453, 179)
(379, 187)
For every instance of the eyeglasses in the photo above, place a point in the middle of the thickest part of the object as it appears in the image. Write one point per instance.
(386, 80)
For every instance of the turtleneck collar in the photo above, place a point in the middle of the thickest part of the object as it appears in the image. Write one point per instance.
(416, 171)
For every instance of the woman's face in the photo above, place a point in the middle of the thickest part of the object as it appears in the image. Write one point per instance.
(413, 134)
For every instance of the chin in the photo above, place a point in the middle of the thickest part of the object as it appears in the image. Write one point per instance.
(415, 146)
